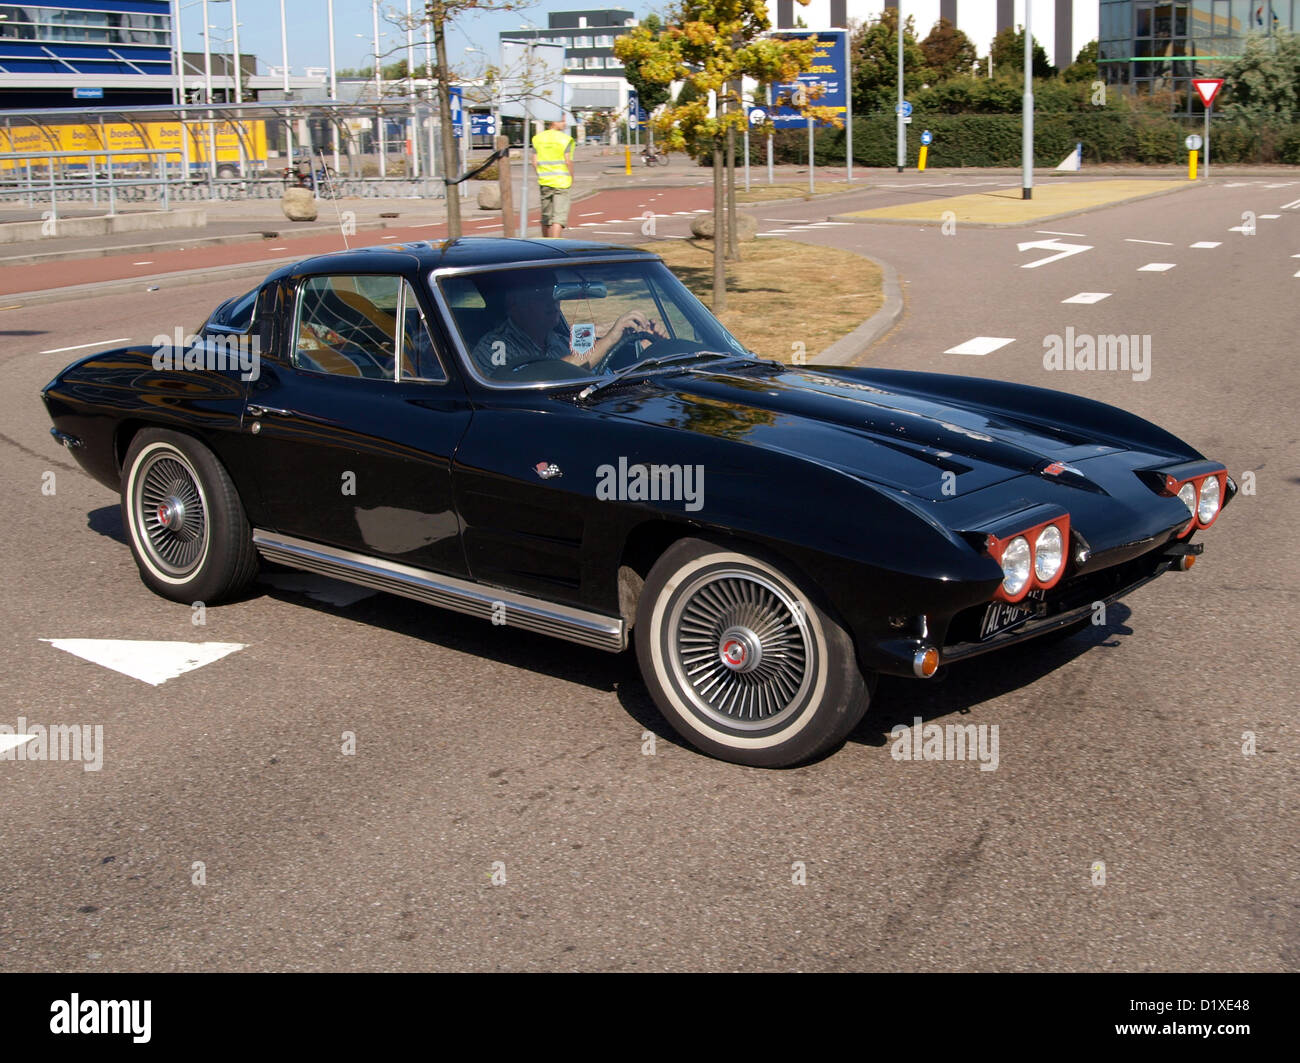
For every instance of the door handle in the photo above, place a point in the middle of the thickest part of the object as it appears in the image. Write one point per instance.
(261, 411)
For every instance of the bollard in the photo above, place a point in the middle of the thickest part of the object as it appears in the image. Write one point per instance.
(627, 160)
(1191, 165)
(920, 162)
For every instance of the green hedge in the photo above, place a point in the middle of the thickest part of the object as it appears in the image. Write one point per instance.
(994, 140)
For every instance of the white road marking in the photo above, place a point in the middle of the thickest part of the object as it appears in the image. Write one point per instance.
(1156, 267)
(668, 236)
(80, 346)
(610, 232)
(701, 210)
(146, 262)
(1207, 243)
(1269, 217)
(790, 221)
(1049, 232)
(1064, 251)
(1292, 204)
(1087, 297)
(593, 214)
(8, 742)
(1241, 229)
(980, 345)
(150, 662)
(1240, 184)
(1162, 243)
(277, 249)
(1284, 184)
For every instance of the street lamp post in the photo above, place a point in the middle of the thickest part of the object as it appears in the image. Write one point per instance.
(1027, 124)
(334, 85)
(379, 94)
(284, 59)
(207, 98)
(902, 128)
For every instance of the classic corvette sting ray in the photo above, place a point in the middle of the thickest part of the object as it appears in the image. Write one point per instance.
(556, 435)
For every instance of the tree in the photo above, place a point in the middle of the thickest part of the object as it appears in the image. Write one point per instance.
(650, 93)
(439, 15)
(712, 45)
(947, 50)
(1084, 67)
(875, 62)
(1009, 54)
(1265, 81)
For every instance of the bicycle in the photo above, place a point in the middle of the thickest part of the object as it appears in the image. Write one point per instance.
(323, 181)
(654, 157)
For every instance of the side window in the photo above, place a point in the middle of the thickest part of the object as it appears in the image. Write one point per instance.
(347, 325)
(419, 358)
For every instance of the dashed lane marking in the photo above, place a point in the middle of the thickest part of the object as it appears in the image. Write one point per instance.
(1207, 243)
(1050, 232)
(1087, 297)
(1156, 267)
(1162, 243)
(1269, 217)
(980, 345)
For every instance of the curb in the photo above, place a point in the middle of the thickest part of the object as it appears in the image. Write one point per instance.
(1012, 224)
(847, 350)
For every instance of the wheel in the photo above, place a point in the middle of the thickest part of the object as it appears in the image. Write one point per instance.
(743, 659)
(186, 525)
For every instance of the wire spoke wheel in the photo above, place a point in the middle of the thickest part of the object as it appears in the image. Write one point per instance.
(740, 648)
(171, 513)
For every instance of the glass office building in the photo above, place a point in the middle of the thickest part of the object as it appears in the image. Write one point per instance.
(1153, 46)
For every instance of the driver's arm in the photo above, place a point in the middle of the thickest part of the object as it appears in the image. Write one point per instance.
(632, 321)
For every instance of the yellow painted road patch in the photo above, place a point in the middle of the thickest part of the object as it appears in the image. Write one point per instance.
(1005, 206)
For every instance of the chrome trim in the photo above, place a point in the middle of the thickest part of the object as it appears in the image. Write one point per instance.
(447, 592)
(918, 663)
(66, 439)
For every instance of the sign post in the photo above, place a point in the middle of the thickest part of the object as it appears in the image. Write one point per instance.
(1192, 143)
(825, 84)
(757, 116)
(926, 138)
(1207, 89)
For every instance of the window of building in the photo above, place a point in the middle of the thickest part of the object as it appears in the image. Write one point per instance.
(605, 41)
(582, 42)
(594, 62)
(613, 62)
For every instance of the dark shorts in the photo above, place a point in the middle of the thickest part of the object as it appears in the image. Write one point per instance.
(555, 205)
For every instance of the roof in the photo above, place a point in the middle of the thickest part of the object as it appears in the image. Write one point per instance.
(464, 253)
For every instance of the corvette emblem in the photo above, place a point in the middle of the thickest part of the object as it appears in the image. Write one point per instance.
(1058, 467)
(547, 470)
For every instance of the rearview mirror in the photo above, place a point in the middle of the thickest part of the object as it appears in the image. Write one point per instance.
(583, 290)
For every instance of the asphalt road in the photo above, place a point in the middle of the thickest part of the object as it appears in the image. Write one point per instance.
(483, 750)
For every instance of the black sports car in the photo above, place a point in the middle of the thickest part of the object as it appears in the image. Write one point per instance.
(557, 436)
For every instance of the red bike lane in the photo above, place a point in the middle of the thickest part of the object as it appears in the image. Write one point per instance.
(622, 209)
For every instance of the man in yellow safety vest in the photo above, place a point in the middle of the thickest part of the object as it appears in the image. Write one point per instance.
(553, 161)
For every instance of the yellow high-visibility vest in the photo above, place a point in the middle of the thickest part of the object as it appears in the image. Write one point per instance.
(551, 146)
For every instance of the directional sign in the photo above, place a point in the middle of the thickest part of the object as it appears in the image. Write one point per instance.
(87, 94)
(1063, 250)
(927, 138)
(457, 107)
(633, 110)
(1193, 142)
(826, 79)
(482, 125)
(1207, 88)
(757, 116)
(904, 108)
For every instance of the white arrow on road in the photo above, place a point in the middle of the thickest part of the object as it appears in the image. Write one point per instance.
(1292, 204)
(8, 742)
(1064, 251)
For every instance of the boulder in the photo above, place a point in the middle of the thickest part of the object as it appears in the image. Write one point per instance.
(489, 196)
(746, 227)
(299, 204)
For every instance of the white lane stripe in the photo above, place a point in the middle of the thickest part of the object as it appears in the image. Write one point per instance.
(80, 346)
(611, 232)
(1156, 267)
(1087, 297)
(150, 662)
(1270, 217)
(146, 262)
(980, 345)
(593, 214)
(1293, 203)
(1162, 243)
(1050, 232)
(1284, 184)
(1207, 243)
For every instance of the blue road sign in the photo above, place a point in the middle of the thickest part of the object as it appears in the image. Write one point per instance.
(828, 74)
(757, 115)
(633, 110)
(87, 94)
(927, 137)
(482, 125)
(904, 108)
(457, 108)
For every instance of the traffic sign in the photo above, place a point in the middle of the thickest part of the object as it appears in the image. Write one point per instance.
(482, 125)
(457, 102)
(757, 116)
(87, 94)
(1207, 89)
(904, 108)
(927, 138)
(1193, 142)
(633, 110)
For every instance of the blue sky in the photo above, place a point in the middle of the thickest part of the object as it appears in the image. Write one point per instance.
(259, 30)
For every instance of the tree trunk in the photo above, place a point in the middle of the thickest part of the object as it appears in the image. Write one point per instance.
(450, 165)
(719, 232)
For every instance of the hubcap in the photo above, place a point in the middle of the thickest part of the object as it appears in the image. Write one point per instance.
(170, 511)
(740, 648)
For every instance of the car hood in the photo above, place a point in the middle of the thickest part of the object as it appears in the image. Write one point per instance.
(902, 438)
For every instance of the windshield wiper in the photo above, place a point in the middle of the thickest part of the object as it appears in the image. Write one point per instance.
(649, 363)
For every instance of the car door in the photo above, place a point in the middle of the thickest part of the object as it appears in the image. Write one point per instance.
(357, 421)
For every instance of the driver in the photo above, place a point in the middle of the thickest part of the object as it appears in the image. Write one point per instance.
(530, 331)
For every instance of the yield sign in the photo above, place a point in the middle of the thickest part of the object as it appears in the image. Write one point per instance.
(1207, 89)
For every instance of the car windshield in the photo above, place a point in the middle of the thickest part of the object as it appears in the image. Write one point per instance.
(530, 325)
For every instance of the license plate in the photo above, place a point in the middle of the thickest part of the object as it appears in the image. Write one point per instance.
(1002, 616)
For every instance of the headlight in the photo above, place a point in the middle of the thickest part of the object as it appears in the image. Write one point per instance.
(1187, 494)
(1048, 554)
(1015, 566)
(1208, 507)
